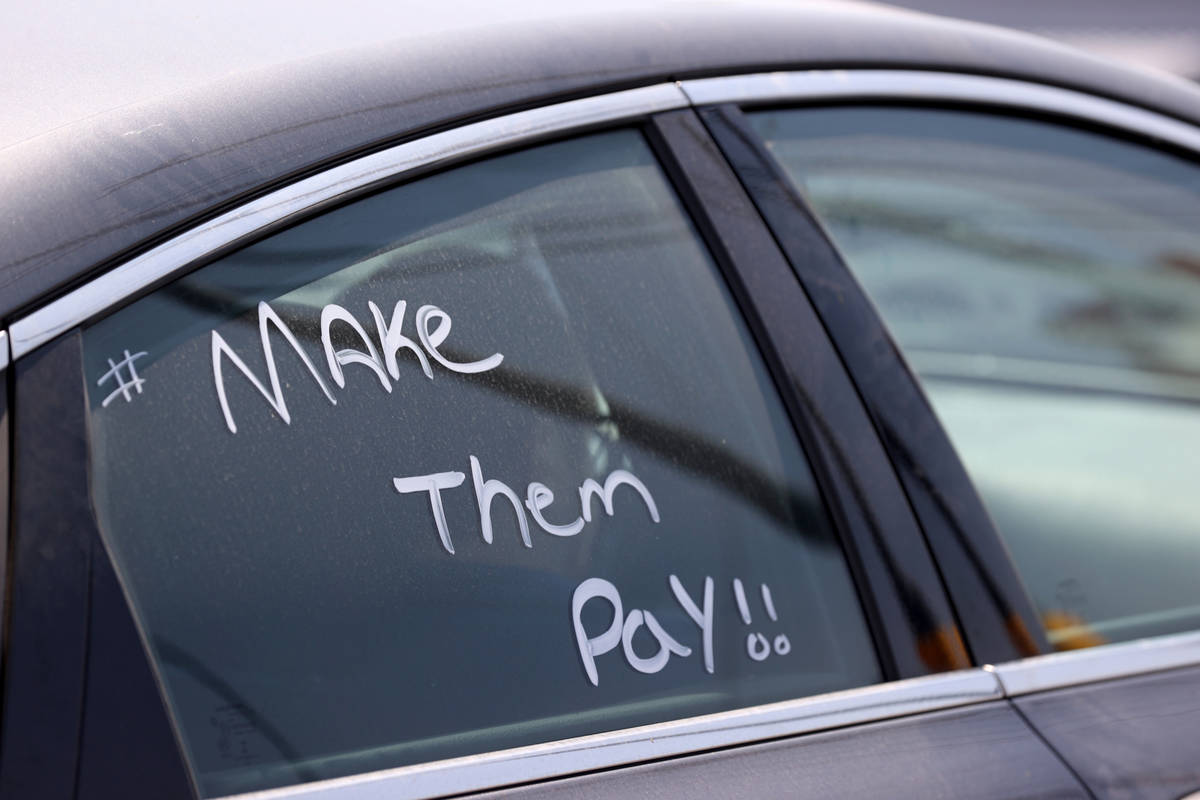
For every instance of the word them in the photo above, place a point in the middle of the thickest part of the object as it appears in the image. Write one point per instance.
(538, 498)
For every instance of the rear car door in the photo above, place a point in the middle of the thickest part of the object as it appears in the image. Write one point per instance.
(1033, 253)
(505, 455)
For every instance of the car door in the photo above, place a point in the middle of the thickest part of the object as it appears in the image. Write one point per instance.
(514, 455)
(1032, 252)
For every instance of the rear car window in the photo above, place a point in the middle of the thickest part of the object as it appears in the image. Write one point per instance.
(484, 460)
(1044, 282)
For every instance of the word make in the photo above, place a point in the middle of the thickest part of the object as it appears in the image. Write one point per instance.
(433, 328)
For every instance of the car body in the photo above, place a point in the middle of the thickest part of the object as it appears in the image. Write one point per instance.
(691, 253)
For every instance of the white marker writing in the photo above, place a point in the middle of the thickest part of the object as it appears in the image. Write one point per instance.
(485, 493)
(702, 617)
(592, 646)
(666, 643)
(618, 632)
(391, 341)
(617, 477)
(432, 339)
(758, 647)
(433, 484)
(115, 368)
(740, 594)
(266, 316)
(334, 313)
(768, 603)
(538, 498)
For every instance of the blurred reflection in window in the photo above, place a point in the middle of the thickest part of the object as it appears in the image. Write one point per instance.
(1044, 282)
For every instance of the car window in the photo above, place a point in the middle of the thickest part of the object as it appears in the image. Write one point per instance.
(483, 460)
(1044, 283)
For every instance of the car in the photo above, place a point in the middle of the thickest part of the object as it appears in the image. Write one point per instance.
(720, 400)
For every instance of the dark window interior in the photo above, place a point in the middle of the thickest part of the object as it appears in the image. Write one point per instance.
(413, 545)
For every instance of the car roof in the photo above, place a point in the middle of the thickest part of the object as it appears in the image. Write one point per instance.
(117, 164)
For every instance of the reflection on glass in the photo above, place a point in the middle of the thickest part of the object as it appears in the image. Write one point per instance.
(516, 396)
(1044, 282)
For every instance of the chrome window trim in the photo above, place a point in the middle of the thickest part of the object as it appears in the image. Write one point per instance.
(650, 742)
(1106, 662)
(4, 350)
(175, 255)
(909, 85)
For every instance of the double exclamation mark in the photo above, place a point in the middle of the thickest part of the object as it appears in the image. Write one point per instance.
(757, 645)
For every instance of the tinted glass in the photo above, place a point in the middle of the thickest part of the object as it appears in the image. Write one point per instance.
(1045, 284)
(512, 471)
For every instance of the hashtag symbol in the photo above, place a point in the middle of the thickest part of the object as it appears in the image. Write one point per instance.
(118, 371)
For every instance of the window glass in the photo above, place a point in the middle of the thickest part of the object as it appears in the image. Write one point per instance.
(1044, 282)
(484, 460)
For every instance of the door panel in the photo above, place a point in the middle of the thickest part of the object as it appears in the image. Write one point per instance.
(1129, 738)
(984, 751)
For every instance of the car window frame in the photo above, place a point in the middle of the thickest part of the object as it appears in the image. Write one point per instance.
(6, 390)
(968, 548)
(832, 426)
